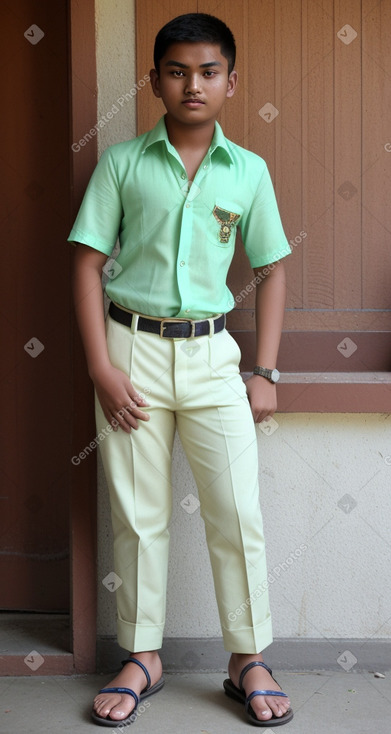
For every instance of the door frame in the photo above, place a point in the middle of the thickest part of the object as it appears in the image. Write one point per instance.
(83, 490)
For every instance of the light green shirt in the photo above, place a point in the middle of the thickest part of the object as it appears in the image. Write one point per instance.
(177, 237)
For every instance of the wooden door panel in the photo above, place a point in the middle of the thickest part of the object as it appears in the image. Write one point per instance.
(35, 313)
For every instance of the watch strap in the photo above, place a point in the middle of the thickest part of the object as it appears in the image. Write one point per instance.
(267, 373)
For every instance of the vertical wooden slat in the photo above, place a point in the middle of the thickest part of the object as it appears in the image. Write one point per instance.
(347, 155)
(317, 153)
(289, 154)
(278, 73)
(376, 153)
(261, 82)
(242, 66)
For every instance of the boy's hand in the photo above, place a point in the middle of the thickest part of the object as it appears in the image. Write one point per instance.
(262, 395)
(120, 402)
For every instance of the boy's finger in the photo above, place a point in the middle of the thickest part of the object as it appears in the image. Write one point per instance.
(138, 413)
(128, 417)
(118, 421)
(139, 400)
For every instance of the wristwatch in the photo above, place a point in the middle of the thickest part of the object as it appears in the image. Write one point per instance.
(272, 375)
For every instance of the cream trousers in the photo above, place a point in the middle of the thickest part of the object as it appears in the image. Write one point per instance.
(192, 385)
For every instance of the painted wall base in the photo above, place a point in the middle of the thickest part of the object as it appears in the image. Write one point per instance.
(207, 654)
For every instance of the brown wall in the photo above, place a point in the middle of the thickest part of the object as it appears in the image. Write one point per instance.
(326, 153)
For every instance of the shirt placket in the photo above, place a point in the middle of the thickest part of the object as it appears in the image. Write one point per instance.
(190, 190)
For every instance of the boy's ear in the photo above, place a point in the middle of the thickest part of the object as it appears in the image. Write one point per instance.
(155, 82)
(232, 83)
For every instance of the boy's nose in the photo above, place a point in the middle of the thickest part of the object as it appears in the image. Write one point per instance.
(193, 84)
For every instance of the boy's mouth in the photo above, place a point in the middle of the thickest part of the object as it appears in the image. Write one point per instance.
(192, 102)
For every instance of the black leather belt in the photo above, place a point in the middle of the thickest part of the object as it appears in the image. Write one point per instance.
(168, 328)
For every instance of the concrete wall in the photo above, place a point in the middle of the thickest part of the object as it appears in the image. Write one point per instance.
(324, 479)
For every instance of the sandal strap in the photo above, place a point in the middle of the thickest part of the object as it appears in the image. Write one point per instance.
(122, 690)
(143, 668)
(248, 667)
(264, 693)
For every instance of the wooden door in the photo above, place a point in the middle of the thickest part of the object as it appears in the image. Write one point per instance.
(47, 503)
(36, 375)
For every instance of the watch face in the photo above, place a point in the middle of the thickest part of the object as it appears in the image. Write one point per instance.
(275, 375)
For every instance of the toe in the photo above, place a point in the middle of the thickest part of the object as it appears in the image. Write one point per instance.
(266, 707)
(117, 713)
(101, 705)
(115, 707)
(277, 705)
(261, 710)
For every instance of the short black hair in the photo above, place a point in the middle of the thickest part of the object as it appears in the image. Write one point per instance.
(195, 28)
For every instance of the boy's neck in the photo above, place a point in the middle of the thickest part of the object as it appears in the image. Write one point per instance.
(189, 137)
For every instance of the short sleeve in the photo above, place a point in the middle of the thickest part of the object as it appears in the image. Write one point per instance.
(262, 231)
(99, 218)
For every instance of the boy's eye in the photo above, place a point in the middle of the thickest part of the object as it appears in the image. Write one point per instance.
(178, 73)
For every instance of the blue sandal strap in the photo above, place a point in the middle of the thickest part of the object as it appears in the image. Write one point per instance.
(122, 690)
(248, 667)
(264, 693)
(143, 668)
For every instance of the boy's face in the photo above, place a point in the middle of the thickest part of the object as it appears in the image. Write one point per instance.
(193, 82)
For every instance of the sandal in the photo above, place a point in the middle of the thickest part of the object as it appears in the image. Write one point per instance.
(147, 691)
(239, 695)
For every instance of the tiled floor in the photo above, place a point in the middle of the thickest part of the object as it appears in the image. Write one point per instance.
(194, 703)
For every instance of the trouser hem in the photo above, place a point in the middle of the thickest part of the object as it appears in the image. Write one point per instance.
(139, 638)
(248, 640)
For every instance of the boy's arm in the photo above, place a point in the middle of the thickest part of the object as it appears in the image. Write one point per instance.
(117, 396)
(269, 314)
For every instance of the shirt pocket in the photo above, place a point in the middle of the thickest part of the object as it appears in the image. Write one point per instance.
(223, 221)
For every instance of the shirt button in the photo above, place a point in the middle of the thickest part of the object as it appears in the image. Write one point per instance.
(187, 206)
(183, 175)
(205, 166)
(187, 310)
(182, 263)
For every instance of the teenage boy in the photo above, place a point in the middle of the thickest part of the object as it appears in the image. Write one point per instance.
(175, 197)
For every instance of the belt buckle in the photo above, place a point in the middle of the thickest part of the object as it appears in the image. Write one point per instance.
(176, 321)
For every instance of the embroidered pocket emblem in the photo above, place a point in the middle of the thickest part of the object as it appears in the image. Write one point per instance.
(227, 220)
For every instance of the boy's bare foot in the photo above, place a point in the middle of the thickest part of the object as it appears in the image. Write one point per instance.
(119, 706)
(258, 678)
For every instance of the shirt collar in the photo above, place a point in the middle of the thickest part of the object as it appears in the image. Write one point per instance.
(159, 134)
